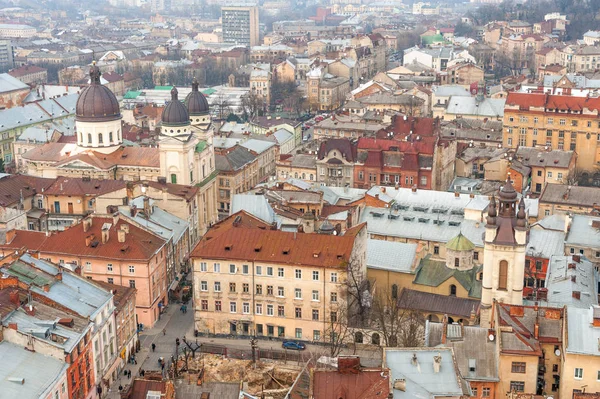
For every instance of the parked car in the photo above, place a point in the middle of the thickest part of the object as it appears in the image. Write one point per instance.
(295, 345)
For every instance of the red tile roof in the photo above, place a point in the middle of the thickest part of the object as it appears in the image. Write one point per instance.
(274, 246)
(527, 100)
(139, 244)
(80, 187)
(26, 70)
(361, 384)
(14, 186)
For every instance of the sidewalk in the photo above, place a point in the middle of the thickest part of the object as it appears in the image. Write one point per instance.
(177, 325)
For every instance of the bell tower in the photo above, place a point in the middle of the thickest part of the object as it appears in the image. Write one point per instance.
(505, 243)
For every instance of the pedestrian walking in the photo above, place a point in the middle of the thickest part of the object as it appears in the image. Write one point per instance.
(129, 374)
(142, 372)
(153, 347)
(120, 388)
(164, 331)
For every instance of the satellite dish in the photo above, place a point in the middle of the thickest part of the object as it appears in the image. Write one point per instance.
(491, 337)
(557, 352)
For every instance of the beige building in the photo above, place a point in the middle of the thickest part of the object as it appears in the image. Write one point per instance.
(559, 122)
(299, 166)
(237, 173)
(260, 85)
(580, 347)
(563, 198)
(252, 280)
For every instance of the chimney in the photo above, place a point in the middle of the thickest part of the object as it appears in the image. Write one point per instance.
(437, 363)
(125, 228)
(376, 196)
(13, 326)
(414, 189)
(456, 194)
(14, 298)
(29, 309)
(105, 235)
(147, 210)
(59, 275)
(444, 329)
(383, 190)
(88, 240)
(87, 223)
(400, 384)
(536, 330)
(115, 217)
(349, 364)
(576, 258)
(121, 236)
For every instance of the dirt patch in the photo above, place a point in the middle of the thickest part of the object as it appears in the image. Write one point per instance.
(273, 377)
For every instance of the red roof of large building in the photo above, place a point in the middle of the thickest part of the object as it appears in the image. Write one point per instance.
(552, 102)
(15, 187)
(275, 246)
(139, 244)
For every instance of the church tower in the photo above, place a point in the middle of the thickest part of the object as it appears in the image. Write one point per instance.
(199, 112)
(177, 143)
(98, 116)
(505, 243)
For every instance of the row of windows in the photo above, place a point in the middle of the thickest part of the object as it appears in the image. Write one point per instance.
(485, 392)
(268, 309)
(269, 290)
(233, 269)
(100, 137)
(550, 121)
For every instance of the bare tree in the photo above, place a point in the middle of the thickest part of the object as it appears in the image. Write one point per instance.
(250, 105)
(359, 295)
(223, 106)
(336, 330)
(399, 326)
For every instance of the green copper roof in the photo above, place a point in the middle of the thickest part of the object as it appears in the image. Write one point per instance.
(130, 95)
(163, 87)
(460, 243)
(208, 92)
(432, 273)
(432, 39)
(201, 146)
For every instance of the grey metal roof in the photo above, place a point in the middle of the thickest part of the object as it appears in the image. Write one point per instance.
(582, 337)
(471, 346)
(563, 280)
(40, 372)
(584, 232)
(421, 379)
(234, 160)
(333, 195)
(160, 222)
(450, 90)
(9, 83)
(489, 107)
(35, 113)
(256, 205)
(258, 146)
(552, 222)
(532, 156)
(73, 291)
(545, 243)
(570, 195)
(392, 256)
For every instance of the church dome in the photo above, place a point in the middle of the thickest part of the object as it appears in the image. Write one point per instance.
(97, 103)
(175, 113)
(460, 243)
(196, 102)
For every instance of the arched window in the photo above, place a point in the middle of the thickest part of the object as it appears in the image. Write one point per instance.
(311, 177)
(375, 339)
(100, 139)
(81, 137)
(358, 337)
(503, 275)
(456, 262)
(296, 175)
(173, 178)
(395, 291)
(452, 290)
(303, 176)
(110, 137)
(89, 138)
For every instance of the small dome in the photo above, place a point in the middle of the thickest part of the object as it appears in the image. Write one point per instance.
(175, 113)
(460, 243)
(508, 192)
(196, 102)
(97, 103)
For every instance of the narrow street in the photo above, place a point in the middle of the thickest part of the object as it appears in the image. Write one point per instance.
(178, 325)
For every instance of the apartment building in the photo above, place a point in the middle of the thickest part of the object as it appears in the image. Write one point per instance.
(29, 74)
(560, 122)
(110, 249)
(238, 172)
(15, 31)
(275, 284)
(335, 163)
(6, 55)
(240, 25)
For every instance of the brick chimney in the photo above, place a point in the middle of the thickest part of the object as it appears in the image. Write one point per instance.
(88, 240)
(105, 235)
(14, 298)
(29, 309)
(87, 223)
(348, 364)
(121, 235)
